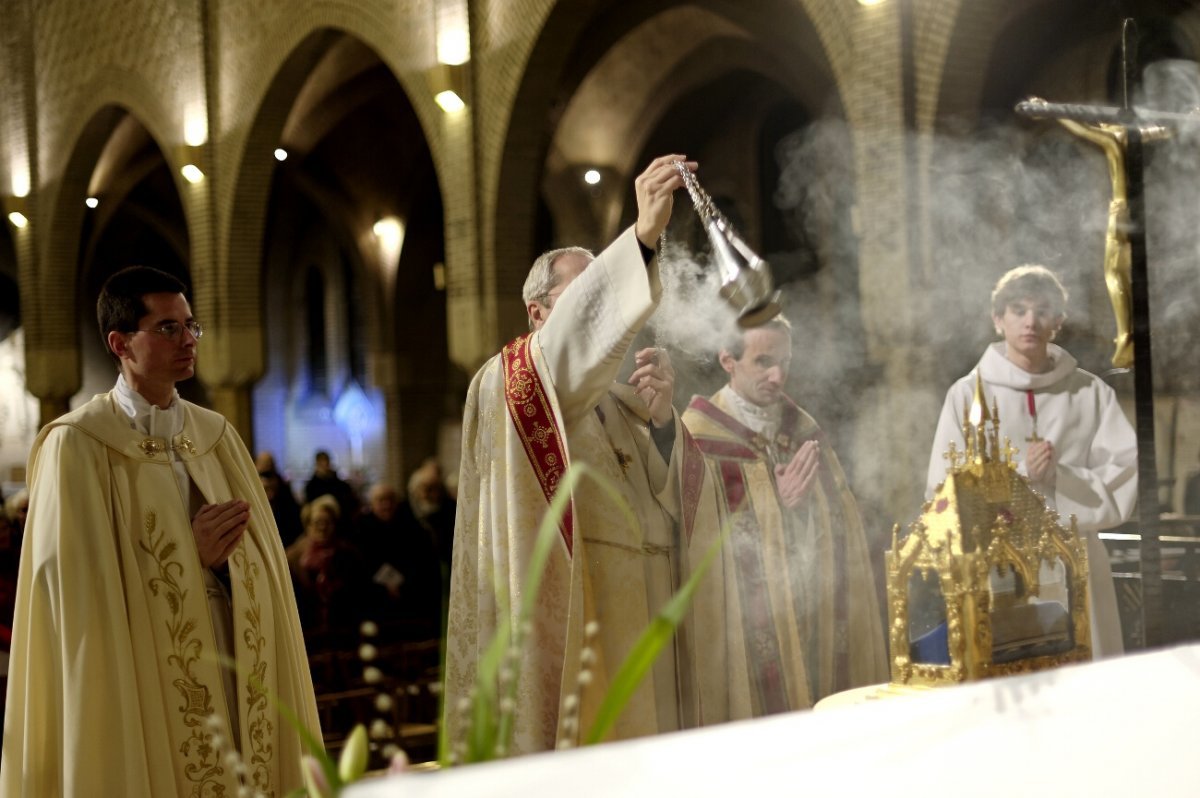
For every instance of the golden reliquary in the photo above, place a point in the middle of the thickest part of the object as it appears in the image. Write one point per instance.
(986, 582)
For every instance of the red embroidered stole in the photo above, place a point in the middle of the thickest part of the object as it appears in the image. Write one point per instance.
(692, 481)
(533, 417)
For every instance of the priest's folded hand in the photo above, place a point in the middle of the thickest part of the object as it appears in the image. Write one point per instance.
(795, 478)
(218, 529)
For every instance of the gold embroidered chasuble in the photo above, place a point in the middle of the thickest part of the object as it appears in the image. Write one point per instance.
(602, 568)
(113, 672)
(800, 591)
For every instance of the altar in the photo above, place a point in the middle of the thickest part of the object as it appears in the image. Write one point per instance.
(1085, 729)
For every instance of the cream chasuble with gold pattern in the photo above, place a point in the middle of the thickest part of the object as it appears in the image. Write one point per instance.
(114, 667)
(548, 399)
(803, 616)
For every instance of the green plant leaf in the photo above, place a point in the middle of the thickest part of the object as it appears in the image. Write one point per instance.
(491, 728)
(315, 747)
(352, 764)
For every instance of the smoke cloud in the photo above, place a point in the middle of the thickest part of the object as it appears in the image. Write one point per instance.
(1004, 192)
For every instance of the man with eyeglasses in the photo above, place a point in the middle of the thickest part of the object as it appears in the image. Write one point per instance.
(548, 400)
(155, 623)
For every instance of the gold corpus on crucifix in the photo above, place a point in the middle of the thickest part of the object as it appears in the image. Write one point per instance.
(1112, 140)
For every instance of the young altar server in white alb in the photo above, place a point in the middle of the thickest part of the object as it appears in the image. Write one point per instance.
(549, 400)
(151, 561)
(1075, 444)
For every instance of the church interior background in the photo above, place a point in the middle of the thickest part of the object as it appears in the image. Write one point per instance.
(356, 241)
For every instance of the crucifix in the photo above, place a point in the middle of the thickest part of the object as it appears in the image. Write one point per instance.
(1120, 132)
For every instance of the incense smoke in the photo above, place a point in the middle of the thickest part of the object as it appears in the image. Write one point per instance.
(996, 196)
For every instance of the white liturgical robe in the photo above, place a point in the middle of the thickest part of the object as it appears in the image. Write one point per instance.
(1096, 478)
(115, 671)
(546, 401)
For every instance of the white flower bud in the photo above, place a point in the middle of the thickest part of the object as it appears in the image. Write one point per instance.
(585, 677)
(570, 702)
(591, 629)
(372, 675)
(367, 652)
(368, 629)
(384, 702)
(379, 729)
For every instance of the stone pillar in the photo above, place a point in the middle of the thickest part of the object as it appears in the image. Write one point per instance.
(470, 296)
(236, 404)
(381, 371)
(51, 407)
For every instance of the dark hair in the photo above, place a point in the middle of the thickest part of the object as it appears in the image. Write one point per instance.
(736, 345)
(120, 305)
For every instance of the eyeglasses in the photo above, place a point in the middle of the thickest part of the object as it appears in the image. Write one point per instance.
(173, 330)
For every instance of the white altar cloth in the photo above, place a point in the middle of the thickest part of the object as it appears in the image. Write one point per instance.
(1082, 730)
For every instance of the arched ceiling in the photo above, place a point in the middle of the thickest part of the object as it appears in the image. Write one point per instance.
(139, 218)
(666, 55)
(597, 124)
(352, 131)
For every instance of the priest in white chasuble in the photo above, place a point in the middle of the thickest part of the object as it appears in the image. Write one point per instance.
(801, 608)
(547, 400)
(151, 563)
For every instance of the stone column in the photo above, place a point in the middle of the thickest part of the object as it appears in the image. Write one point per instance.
(236, 404)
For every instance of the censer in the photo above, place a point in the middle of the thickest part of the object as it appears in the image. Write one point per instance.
(746, 280)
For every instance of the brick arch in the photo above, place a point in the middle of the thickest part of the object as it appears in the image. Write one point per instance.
(264, 48)
(300, 93)
(51, 323)
(572, 40)
(243, 247)
(250, 180)
(987, 42)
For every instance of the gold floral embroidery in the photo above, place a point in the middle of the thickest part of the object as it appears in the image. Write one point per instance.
(203, 763)
(261, 729)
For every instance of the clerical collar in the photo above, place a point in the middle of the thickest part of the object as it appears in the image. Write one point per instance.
(763, 420)
(147, 418)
